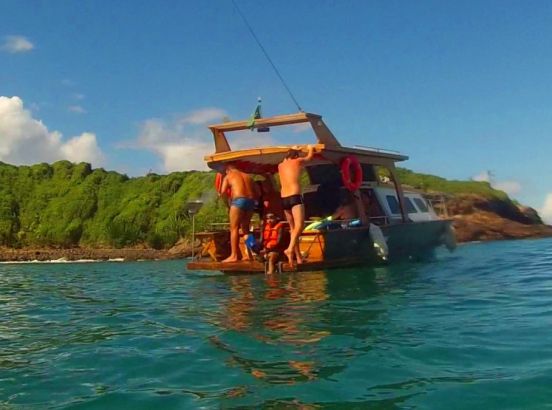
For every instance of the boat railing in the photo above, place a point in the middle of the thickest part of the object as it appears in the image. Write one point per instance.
(375, 149)
(379, 220)
(219, 226)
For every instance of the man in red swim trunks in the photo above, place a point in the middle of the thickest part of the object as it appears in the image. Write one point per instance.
(241, 206)
(292, 201)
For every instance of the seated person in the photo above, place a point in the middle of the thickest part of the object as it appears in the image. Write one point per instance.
(274, 241)
(347, 209)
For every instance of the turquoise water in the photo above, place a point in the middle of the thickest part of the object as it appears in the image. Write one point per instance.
(468, 330)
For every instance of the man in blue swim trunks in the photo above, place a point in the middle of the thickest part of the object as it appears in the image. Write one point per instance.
(241, 207)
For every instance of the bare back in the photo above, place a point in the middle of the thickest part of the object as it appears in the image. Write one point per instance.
(290, 173)
(241, 184)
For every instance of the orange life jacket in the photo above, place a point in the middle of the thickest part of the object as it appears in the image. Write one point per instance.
(270, 235)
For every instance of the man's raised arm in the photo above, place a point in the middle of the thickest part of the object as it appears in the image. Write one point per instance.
(310, 154)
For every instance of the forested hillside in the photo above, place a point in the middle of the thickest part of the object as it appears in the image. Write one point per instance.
(67, 205)
(426, 182)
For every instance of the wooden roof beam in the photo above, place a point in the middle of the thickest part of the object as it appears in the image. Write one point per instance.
(322, 132)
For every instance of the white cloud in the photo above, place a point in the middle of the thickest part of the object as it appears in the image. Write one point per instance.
(510, 187)
(25, 140)
(178, 142)
(181, 143)
(16, 44)
(77, 109)
(484, 176)
(83, 148)
(203, 116)
(546, 210)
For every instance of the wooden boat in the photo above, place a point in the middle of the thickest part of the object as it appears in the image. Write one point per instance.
(404, 221)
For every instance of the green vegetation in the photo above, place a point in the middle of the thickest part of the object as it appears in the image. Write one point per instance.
(66, 204)
(432, 183)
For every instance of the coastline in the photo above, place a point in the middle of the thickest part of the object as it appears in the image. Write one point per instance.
(89, 254)
(480, 227)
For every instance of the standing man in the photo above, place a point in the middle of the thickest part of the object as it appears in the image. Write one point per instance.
(292, 201)
(241, 206)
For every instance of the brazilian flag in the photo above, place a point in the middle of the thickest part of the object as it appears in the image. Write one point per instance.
(255, 116)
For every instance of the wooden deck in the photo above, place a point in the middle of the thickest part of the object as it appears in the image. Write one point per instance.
(249, 267)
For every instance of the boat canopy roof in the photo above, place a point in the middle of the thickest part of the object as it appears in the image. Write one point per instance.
(266, 159)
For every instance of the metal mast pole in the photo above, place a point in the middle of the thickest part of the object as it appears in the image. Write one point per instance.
(193, 235)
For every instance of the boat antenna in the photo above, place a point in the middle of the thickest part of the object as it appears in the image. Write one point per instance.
(266, 55)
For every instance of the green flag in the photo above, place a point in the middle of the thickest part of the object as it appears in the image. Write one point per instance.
(255, 116)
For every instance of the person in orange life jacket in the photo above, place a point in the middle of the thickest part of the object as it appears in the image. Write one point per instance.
(273, 241)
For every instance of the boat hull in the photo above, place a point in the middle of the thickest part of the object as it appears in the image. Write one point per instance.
(348, 247)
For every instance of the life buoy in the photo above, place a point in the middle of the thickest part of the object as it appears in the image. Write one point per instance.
(347, 163)
(218, 184)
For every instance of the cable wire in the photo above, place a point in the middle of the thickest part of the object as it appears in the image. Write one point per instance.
(266, 55)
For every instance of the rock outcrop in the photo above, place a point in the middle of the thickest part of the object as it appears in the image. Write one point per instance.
(477, 218)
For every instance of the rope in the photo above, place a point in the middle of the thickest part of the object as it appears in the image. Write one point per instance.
(266, 55)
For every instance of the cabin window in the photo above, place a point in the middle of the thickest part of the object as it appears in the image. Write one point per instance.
(422, 206)
(410, 208)
(393, 204)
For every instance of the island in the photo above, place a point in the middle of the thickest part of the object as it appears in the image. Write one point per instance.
(74, 212)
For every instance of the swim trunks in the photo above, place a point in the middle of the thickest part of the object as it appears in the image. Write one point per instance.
(245, 204)
(289, 202)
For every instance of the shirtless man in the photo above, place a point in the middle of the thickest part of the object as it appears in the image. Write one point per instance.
(241, 206)
(292, 201)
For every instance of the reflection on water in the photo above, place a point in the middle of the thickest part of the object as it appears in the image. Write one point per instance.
(294, 313)
(275, 310)
(144, 335)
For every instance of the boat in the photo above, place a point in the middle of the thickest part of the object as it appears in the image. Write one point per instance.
(401, 223)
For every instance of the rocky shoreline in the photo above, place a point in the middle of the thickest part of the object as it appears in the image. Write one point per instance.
(480, 219)
(487, 227)
(83, 254)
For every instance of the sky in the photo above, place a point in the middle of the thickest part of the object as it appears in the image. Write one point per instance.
(463, 88)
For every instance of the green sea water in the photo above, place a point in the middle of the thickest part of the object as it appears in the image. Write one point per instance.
(468, 330)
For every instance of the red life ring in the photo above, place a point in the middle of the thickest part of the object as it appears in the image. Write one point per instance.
(218, 184)
(347, 163)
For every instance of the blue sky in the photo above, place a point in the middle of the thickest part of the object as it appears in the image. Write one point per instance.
(461, 87)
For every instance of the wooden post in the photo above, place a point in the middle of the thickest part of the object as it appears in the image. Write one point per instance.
(400, 194)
